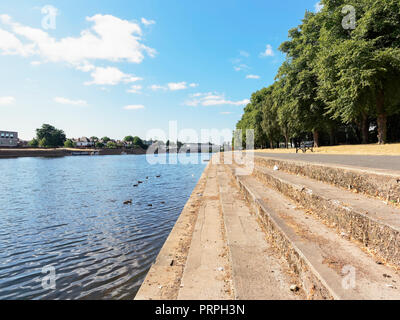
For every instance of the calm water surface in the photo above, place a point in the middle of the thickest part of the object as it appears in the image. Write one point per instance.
(68, 213)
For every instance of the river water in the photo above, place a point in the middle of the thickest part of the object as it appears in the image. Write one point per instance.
(66, 234)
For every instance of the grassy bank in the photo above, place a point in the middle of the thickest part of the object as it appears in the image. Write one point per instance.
(365, 149)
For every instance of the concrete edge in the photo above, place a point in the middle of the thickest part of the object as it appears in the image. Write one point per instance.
(164, 277)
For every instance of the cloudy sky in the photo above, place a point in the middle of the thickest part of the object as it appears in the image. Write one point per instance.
(100, 67)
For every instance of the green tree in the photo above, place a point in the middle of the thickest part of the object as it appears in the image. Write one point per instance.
(69, 144)
(111, 145)
(360, 68)
(269, 121)
(50, 137)
(105, 139)
(138, 142)
(129, 139)
(252, 119)
(99, 145)
(34, 143)
(300, 79)
(334, 79)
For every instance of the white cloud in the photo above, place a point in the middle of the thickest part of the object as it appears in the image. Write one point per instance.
(110, 76)
(269, 52)
(135, 89)
(5, 18)
(109, 39)
(241, 67)
(252, 76)
(11, 45)
(148, 22)
(6, 101)
(36, 63)
(219, 102)
(134, 107)
(212, 99)
(156, 87)
(62, 100)
(239, 63)
(86, 67)
(318, 7)
(174, 86)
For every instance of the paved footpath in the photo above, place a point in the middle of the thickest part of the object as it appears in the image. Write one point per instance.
(367, 161)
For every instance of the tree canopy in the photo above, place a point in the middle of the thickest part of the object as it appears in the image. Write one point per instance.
(340, 78)
(128, 139)
(50, 137)
(138, 142)
(69, 144)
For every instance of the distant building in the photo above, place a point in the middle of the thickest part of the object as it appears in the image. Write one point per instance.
(84, 142)
(8, 139)
(148, 143)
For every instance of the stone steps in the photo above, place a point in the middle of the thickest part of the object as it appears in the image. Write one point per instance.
(258, 273)
(327, 265)
(369, 221)
(262, 234)
(377, 183)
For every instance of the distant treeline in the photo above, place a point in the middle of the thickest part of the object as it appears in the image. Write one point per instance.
(340, 82)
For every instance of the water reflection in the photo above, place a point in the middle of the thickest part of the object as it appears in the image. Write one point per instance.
(69, 213)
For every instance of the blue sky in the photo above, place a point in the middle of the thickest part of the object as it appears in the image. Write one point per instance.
(114, 68)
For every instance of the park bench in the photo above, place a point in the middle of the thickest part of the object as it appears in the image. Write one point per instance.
(304, 146)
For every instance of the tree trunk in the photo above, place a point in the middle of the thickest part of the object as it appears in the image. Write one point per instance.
(382, 118)
(364, 128)
(271, 144)
(316, 138)
(332, 136)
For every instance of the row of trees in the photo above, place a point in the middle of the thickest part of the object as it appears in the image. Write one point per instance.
(50, 137)
(340, 82)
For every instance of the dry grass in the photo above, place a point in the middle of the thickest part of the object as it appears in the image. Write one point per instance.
(367, 149)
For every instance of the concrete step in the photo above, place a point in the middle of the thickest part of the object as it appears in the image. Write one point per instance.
(328, 266)
(258, 273)
(164, 277)
(369, 221)
(206, 274)
(378, 183)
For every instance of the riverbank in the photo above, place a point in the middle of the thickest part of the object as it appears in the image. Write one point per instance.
(283, 232)
(64, 152)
